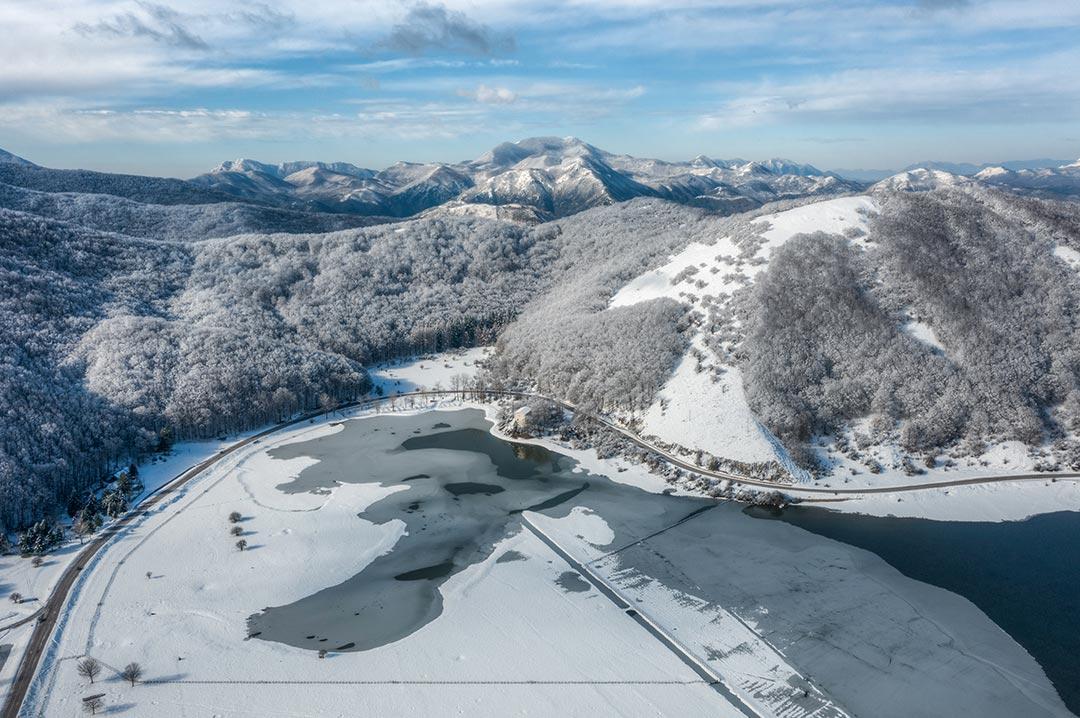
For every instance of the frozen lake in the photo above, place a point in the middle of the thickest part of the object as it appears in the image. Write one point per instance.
(464, 490)
(1023, 574)
(860, 629)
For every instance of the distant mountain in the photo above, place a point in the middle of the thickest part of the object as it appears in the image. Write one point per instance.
(7, 157)
(554, 177)
(862, 175)
(156, 190)
(1062, 182)
(920, 179)
(964, 169)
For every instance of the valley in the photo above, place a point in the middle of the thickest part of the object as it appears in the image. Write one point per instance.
(453, 428)
(595, 358)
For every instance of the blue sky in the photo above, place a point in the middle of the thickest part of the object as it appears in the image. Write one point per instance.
(174, 87)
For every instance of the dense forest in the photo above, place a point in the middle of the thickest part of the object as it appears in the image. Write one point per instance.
(112, 339)
(190, 222)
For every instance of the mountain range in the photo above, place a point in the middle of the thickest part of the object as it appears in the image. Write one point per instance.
(957, 168)
(1048, 182)
(543, 178)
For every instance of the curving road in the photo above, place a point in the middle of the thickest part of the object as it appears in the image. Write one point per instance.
(50, 612)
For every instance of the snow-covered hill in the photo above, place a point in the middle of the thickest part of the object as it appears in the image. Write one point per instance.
(1049, 182)
(703, 405)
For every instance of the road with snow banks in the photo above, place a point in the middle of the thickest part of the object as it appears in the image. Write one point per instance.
(51, 611)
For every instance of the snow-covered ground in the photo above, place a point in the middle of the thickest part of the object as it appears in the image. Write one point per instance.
(1006, 501)
(17, 574)
(700, 410)
(435, 371)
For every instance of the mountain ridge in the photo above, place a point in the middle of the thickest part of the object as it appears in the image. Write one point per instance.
(555, 176)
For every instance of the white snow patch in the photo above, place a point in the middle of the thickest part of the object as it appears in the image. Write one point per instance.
(1069, 255)
(588, 525)
(924, 333)
(831, 216)
(700, 413)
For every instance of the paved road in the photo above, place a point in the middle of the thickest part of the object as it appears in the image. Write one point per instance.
(50, 612)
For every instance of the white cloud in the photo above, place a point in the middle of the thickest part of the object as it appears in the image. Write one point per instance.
(488, 95)
(1044, 88)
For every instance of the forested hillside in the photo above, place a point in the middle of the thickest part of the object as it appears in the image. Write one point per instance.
(825, 342)
(110, 339)
(921, 320)
(57, 282)
(190, 222)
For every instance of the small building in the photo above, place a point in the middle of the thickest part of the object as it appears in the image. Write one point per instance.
(521, 417)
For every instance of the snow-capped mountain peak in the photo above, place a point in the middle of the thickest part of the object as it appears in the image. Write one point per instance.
(556, 176)
(919, 180)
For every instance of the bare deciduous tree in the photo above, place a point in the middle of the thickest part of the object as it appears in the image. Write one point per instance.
(88, 668)
(236, 531)
(235, 517)
(132, 673)
(241, 544)
(92, 705)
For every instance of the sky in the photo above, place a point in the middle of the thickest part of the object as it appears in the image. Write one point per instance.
(174, 87)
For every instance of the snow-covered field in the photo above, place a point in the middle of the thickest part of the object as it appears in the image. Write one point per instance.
(17, 574)
(516, 636)
(436, 371)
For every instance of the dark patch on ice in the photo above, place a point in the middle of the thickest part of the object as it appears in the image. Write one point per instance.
(554, 500)
(427, 573)
(416, 476)
(572, 582)
(511, 555)
(466, 488)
